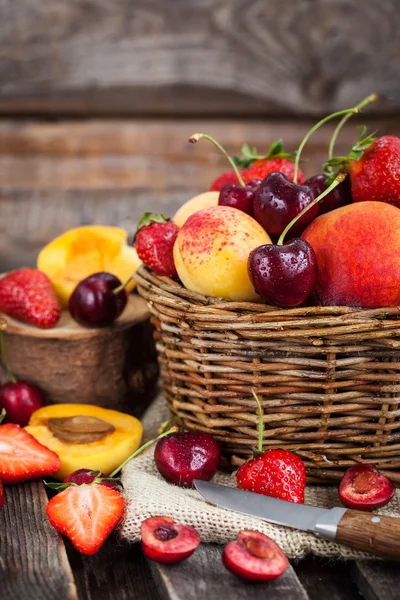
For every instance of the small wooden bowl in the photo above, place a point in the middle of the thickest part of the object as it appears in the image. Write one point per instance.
(108, 367)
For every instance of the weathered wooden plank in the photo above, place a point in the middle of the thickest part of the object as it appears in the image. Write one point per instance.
(196, 56)
(204, 576)
(323, 579)
(118, 571)
(376, 580)
(33, 561)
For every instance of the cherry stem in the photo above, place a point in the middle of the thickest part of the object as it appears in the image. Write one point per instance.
(121, 287)
(350, 111)
(3, 327)
(198, 136)
(360, 105)
(139, 450)
(338, 179)
(260, 424)
(2, 415)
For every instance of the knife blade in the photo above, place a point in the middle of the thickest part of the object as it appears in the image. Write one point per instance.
(364, 531)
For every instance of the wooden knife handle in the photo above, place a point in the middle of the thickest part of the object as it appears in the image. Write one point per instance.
(371, 533)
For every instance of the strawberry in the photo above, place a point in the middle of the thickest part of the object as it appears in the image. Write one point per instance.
(277, 473)
(373, 166)
(28, 295)
(154, 243)
(22, 457)
(256, 166)
(86, 514)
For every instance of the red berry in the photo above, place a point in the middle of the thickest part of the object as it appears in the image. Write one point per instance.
(277, 473)
(27, 295)
(168, 542)
(375, 176)
(86, 514)
(254, 557)
(259, 170)
(364, 488)
(154, 243)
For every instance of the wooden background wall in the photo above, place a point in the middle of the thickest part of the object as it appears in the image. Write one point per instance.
(98, 98)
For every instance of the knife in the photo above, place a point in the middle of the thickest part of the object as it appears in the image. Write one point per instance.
(368, 532)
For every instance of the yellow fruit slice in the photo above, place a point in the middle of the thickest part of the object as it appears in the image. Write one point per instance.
(86, 436)
(82, 251)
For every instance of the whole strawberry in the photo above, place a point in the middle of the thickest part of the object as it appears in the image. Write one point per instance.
(256, 166)
(375, 176)
(277, 473)
(27, 295)
(154, 243)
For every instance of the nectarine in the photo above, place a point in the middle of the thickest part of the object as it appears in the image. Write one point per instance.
(204, 200)
(212, 249)
(358, 255)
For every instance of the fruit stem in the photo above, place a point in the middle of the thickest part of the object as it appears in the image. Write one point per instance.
(360, 105)
(260, 425)
(350, 111)
(338, 179)
(3, 327)
(198, 136)
(2, 414)
(122, 286)
(139, 450)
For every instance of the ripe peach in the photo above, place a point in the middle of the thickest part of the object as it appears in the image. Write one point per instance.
(358, 255)
(196, 203)
(212, 249)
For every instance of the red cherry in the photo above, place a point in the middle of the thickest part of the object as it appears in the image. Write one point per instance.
(340, 196)
(364, 488)
(237, 196)
(168, 542)
(95, 303)
(183, 457)
(283, 275)
(20, 399)
(254, 557)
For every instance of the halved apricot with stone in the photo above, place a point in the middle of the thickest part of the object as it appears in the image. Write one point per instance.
(86, 436)
(82, 251)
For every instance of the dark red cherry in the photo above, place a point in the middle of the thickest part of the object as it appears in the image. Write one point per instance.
(184, 456)
(20, 400)
(166, 541)
(284, 275)
(339, 196)
(278, 200)
(94, 303)
(237, 196)
(364, 488)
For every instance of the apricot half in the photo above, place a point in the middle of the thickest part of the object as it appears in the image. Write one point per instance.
(86, 436)
(80, 252)
(212, 250)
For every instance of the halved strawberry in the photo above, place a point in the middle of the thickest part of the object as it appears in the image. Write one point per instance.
(22, 457)
(86, 514)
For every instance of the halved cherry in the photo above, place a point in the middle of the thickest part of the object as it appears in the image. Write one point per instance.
(168, 542)
(364, 488)
(254, 557)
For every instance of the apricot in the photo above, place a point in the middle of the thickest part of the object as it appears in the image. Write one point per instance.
(358, 255)
(83, 251)
(86, 436)
(199, 202)
(212, 249)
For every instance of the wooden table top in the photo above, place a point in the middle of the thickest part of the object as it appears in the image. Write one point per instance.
(37, 564)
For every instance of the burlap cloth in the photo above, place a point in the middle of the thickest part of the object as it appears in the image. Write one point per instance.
(148, 494)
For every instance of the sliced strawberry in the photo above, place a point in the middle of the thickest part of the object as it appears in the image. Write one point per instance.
(22, 457)
(27, 295)
(86, 514)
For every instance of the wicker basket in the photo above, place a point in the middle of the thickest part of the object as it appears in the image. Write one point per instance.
(328, 377)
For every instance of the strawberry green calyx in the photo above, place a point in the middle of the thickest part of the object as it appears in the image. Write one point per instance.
(147, 219)
(250, 155)
(59, 487)
(341, 163)
(198, 136)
